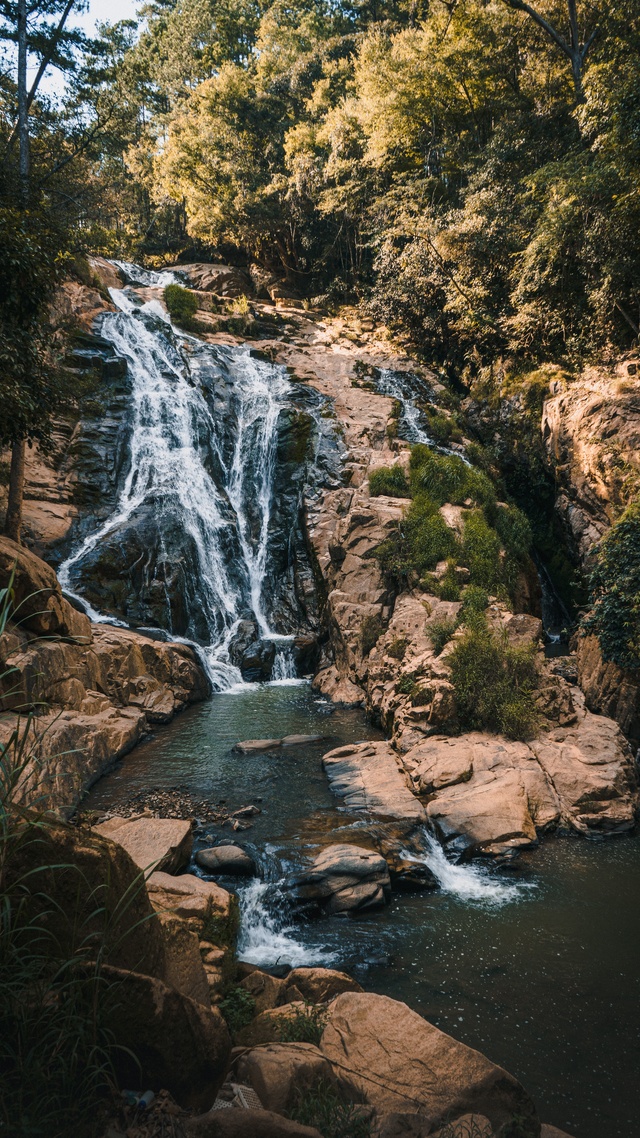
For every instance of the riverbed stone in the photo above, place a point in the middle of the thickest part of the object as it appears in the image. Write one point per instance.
(548, 1131)
(296, 740)
(490, 815)
(344, 878)
(368, 777)
(153, 843)
(226, 859)
(189, 897)
(249, 746)
(396, 1061)
(184, 968)
(319, 985)
(268, 991)
(276, 1071)
(267, 1027)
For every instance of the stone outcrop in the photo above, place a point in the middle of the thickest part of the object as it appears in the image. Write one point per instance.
(152, 843)
(369, 778)
(226, 859)
(279, 1071)
(223, 280)
(247, 1124)
(400, 1064)
(608, 689)
(343, 879)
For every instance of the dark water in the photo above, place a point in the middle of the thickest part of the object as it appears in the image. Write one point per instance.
(539, 969)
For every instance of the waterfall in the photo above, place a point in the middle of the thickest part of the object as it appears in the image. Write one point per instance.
(468, 883)
(177, 445)
(265, 938)
(395, 384)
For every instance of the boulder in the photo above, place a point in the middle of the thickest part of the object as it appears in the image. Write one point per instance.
(226, 859)
(38, 604)
(296, 740)
(396, 1061)
(367, 776)
(268, 991)
(184, 969)
(318, 985)
(190, 897)
(490, 814)
(107, 274)
(399, 1125)
(224, 280)
(246, 1124)
(153, 843)
(181, 1046)
(548, 1131)
(609, 690)
(249, 746)
(269, 1025)
(342, 879)
(277, 1070)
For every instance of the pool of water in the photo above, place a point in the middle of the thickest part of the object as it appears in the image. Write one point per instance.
(537, 967)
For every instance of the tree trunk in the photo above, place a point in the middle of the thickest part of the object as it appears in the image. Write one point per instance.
(23, 108)
(13, 520)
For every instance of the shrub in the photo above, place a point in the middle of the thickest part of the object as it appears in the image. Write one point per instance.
(371, 630)
(397, 648)
(305, 1025)
(238, 1008)
(474, 600)
(182, 305)
(390, 480)
(440, 633)
(321, 1107)
(481, 551)
(615, 592)
(447, 478)
(514, 531)
(447, 588)
(494, 683)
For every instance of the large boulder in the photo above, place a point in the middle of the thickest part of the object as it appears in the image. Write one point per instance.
(318, 985)
(368, 777)
(267, 991)
(270, 1025)
(342, 879)
(184, 968)
(224, 280)
(246, 1124)
(277, 1071)
(38, 604)
(232, 860)
(152, 843)
(396, 1061)
(609, 690)
(180, 1045)
(488, 815)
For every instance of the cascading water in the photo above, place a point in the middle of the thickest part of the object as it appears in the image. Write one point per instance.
(176, 442)
(412, 421)
(469, 883)
(265, 937)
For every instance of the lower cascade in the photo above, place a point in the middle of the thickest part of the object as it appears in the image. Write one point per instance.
(205, 494)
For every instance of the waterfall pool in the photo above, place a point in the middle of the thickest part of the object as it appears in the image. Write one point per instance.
(537, 967)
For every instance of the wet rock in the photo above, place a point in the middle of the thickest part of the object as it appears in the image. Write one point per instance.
(397, 1062)
(246, 634)
(152, 843)
(340, 690)
(249, 746)
(295, 740)
(180, 1045)
(226, 859)
(224, 280)
(367, 775)
(279, 1071)
(191, 898)
(247, 1124)
(343, 879)
(257, 662)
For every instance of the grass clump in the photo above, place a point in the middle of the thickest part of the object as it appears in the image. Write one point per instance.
(390, 480)
(447, 588)
(371, 630)
(321, 1107)
(440, 633)
(447, 478)
(397, 648)
(305, 1025)
(182, 306)
(238, 1008)
(494, 683)
(474, 600)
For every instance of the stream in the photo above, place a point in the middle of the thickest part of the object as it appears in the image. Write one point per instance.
(535, 966)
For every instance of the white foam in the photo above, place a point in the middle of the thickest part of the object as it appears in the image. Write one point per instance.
(265, 939)
(473, 884)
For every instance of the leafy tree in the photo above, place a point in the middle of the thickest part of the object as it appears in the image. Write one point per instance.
(615, 592)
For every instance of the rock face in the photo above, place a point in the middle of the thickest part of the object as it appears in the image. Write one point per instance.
(368, 777)
(224, 280)
(277, 1071)
(344, 879)
(608, 689)
(400, 1064)
(152, 843)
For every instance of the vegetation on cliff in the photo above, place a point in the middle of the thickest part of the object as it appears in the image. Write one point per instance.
(615, 591)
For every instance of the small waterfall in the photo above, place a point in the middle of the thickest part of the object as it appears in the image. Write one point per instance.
(468, 883)
(177, 445)
(395, 384)
(284, 666)
(265, 938)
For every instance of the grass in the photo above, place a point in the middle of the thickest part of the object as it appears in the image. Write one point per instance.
(494, 683)
(304, 1025)
(182, 306)
(238, 1008)
(321, 1107)
(440, 633)
(390, 480)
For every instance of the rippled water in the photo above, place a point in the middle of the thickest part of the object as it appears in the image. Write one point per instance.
(537, 968)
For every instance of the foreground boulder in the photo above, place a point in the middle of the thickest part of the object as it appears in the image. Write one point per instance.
(279, 1071)
(152, 843)
(318, 985)
(181, 1046)
(226, 859)
(343, 879)
(396, 1061)
(247, 1124)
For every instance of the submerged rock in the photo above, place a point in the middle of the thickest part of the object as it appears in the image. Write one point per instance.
(249, 746)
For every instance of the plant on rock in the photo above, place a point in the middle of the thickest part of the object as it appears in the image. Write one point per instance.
(322, 1108)
(182, 306)
(304, 1025)
(615, 592)
(390, 480)
(494, 682)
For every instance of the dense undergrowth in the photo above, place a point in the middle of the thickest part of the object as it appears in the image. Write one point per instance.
(615, 591)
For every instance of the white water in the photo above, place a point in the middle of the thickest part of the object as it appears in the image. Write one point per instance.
(390, 383)
(468, 883)
(264, 939)
(172, 426)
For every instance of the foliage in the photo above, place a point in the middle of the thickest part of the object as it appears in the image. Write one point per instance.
(494, 682)
(475, 600)
(238, 1008)
(182, 305)
(304, 1025)
(615, 592)
(440, 633)
(397, 648)
(447, 478)
(371, 630)
(447, 588)
(321, 1107)
(390, 480)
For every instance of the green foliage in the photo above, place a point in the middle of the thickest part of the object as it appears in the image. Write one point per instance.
(440, 633)
(447, 478)
(371, 630)
(321, 1107)
(397, 648)
(615, 592)
(182, 305)
(514, 530)
(475, 600)
(447, 588)
(304, 1025)
(481, 549)
(238, 1008)
(494, 683)
(390, 480)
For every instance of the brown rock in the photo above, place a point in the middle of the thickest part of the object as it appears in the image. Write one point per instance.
(490, 813)
(108, 274)
(318, 985)
(152, 843)
(344, 878)
(248, 746)
(181, 1046)
(277, 1070)
(184, 969)
(368, 777)
(267, 991)
(246, 1124)
(268, 1026)
(38, 602)
(398, 1062)
(608, 689)
(548, 1131)
(190, 897)
(224, 280)
(226, 859)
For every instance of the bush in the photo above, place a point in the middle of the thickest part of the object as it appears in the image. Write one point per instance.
(321, 1107)
(481, 552)
(474, 600)
(447, 588)
(440, 633)
(390, 480)
(305, 1025)
(182, 306)
(615, 592)
(238, 1008)
(514, 531)
(494, 683)
(371, 630)
(447, 478)
(397, 648)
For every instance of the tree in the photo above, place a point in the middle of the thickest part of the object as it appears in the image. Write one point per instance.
(574, 47)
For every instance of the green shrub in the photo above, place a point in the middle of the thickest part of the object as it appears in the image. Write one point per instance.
(238, 1008)
(397, 648)
(481, 551)
(407, 685)
(474, 600)
(305, 1025)
(615, 592)
(447, 478)
(371, 630)
(181, 304)
(447, 588)
(494, 683)
(321, 1107)
(390, 480)
(514, 531)
(440, 633)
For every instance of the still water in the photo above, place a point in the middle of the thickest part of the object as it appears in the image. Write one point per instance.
(538, 968)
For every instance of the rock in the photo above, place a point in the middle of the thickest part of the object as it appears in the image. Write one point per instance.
(608, 689)
(368, 777)
(294, 740)
(249, 746)
(226, 859)
(398, 1062)
(191, 898)
(340, 690)
(153, 843)
(342, 879)
(402, 1125)
(108, 274)
(181, 1046)
(277, 1071)
(246, 1124)
(475, 1125)
(257, 662)
(490, 814)
(224, 280)
(268, 1026)
(318, 985)
(267, 991)
(548, 1131)
(184, 969)
(37, 595)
